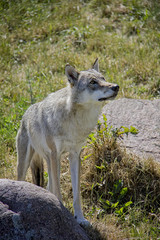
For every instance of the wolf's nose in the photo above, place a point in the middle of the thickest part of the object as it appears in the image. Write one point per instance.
(115, 88)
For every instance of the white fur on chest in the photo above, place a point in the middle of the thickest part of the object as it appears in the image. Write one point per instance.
(77, 128)
(82, 122)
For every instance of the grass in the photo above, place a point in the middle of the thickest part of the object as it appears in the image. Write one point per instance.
(37, 39)
(122, 186)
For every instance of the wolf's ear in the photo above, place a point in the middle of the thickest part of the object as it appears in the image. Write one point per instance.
(96, 65)
(71, 74)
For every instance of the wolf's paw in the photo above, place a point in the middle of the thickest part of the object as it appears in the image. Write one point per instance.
(83, 221)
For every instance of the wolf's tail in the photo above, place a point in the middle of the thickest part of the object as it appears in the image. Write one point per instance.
(37, 169)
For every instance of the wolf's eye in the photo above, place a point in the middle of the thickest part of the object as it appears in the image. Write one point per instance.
(93, 82)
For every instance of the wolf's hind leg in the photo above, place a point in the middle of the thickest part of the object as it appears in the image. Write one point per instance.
(37, 169)
(24, 153)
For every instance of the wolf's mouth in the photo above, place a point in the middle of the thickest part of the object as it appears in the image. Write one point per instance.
(107, 98)
(102, 99)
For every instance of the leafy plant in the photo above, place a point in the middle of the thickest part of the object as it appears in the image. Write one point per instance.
(116, 203)
(103, 131)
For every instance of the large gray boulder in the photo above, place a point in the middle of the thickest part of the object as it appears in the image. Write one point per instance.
(142, 114)
(28, 212)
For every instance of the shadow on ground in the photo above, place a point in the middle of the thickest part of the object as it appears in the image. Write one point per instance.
(93, 233)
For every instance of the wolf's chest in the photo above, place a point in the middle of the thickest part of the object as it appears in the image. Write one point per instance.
(81, 124)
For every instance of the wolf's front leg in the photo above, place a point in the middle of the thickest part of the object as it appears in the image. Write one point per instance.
(54, 175)
(75, 165)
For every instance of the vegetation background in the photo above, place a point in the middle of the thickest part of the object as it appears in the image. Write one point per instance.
(37, 39)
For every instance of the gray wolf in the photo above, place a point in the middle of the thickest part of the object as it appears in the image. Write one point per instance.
(61, 123)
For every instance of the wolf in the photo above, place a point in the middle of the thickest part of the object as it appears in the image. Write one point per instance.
(61, 123)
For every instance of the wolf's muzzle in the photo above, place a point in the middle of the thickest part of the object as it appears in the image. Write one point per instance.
(115, 88)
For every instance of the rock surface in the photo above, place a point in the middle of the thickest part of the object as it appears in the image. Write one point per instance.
(28, 212)
(142, 114)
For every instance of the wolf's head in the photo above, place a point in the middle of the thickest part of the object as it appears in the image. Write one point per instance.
(90, 85)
